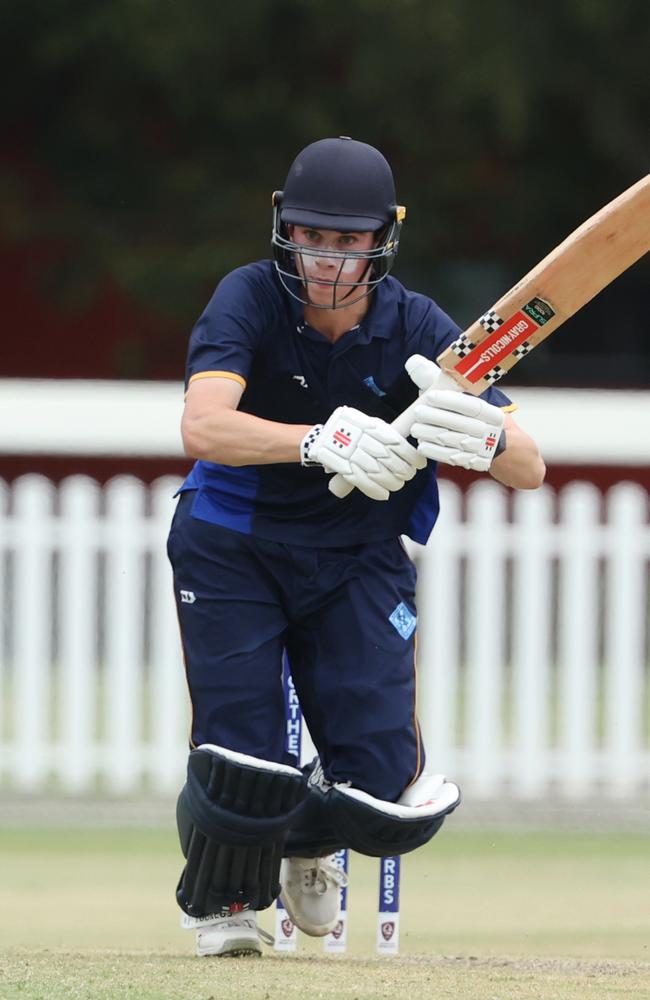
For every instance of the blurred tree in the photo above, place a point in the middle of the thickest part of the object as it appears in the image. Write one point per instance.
(143, 137)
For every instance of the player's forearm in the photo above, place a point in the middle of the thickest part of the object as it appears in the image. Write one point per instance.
(520, 466)
(231, 437)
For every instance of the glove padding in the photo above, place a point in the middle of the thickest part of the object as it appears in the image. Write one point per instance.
(366, 451)
(456, 428)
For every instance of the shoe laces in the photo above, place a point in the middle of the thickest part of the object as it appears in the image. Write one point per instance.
(317, 777)
(320, 874)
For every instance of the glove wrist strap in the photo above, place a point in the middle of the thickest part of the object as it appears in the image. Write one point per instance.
(309, 439)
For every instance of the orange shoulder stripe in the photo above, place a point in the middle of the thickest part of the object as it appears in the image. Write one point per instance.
(231, 375)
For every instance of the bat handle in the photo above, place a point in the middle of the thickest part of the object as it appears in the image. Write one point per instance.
(426, 375)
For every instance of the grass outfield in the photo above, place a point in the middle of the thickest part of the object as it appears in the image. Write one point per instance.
(91, 914)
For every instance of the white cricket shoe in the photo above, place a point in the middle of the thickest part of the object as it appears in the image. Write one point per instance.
(232, 936)
(310, 893)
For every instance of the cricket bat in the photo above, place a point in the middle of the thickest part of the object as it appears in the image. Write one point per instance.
(568, 277)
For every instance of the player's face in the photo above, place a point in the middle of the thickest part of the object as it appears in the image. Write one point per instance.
(325, 267)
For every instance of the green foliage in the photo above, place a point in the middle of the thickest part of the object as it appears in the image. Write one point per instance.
(144, 137)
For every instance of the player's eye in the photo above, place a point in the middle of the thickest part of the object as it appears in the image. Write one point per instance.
(347, 240)
(311, 235)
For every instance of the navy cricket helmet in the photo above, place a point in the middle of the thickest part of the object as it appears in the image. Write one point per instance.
(342, 185)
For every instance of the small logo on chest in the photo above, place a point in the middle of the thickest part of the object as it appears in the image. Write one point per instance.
(301, 380)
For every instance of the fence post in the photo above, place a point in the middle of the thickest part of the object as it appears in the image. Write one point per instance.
(484, 623)
(624, 638)
(578, 638)
(124, 632)
(438, 634)
(531, 647)
(5, 688)
(169, 710)
(77, 659)
(32, 632)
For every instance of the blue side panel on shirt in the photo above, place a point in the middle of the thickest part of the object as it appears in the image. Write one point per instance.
(225, 494)
(425, 512)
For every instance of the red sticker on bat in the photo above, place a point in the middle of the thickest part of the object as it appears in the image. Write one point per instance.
(498, 345)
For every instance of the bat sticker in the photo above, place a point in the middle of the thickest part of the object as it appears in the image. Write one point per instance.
(504, 340)
(462, 346)
(539, 310)
(490, 321)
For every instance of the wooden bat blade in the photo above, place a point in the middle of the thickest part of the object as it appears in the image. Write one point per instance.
(581, 266)
(568, 277)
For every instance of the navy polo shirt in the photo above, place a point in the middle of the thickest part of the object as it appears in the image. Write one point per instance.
(253, 331)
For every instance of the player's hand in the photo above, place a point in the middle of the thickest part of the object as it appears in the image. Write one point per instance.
(457, 429)
(366, 451)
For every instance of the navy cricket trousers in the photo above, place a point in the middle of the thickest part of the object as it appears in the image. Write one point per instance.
(346, 619)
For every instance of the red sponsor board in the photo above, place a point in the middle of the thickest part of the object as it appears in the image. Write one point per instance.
(497, 346)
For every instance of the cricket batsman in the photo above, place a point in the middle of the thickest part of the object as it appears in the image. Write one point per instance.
(295, 371)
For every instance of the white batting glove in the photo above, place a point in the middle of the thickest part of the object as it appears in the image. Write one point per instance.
(428, 375)
(456, 428)
(366, 451)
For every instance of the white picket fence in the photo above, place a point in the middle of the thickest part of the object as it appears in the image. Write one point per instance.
(532, 651)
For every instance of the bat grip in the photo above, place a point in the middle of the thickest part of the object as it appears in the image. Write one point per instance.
(403, 423)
